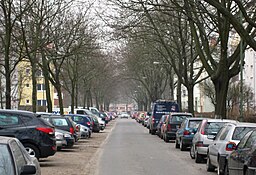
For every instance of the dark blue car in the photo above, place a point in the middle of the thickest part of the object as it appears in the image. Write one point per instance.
(185, 133)
(81, 119)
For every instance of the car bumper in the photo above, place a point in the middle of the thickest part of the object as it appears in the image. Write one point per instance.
(187, 140)
(46, 151)
(171, 135)
(60, 143)
(202, 150)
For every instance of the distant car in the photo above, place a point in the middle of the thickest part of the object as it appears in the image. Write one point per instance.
(14, 159)
(172, 124)
(242, 160)
(224, 143)
(85, 131)
(124, 115)
(207, 129)
(60, 140)
(161, 107)
(36, 134)
(186, 132)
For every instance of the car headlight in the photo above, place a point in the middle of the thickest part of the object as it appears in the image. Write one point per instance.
(59, 136)
(67, 135)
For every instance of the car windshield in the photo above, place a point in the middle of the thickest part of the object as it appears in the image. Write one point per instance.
(194, 123)
(213, 127)
(240, 132)
(6, 164)
(178, 118)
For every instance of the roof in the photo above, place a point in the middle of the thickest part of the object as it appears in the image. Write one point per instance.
(5, 140)
(20, 112)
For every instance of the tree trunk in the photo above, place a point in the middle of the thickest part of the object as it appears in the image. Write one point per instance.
(179, 95)
(190, 90)
(58, 89)
(72, 99)
(34, 86)
(221, 88)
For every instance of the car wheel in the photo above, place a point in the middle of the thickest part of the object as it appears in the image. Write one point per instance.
(246, 172)
(219, 171)
(226, 171)
(166, 139)
(177, 144)
(32, 150)
(192, 152)
(209, 166)
(149, 131)
(198, 157)
(182, 146)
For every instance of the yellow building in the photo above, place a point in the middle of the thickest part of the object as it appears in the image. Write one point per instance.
(25, 88)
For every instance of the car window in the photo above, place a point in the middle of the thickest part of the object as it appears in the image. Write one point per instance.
(213, 127)
(243, 140)
(77, 118)
(6, 120)
(251, 140)
(225, 133)
(60, 122)
(240, 132)
(6, 162)
(194, 123)
(178, 118)
(18, 156)
(220, 133)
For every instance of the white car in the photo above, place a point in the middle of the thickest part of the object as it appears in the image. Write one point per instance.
(102, 123)
(124, 115)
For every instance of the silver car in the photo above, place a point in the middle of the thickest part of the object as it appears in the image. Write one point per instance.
(206, 130)
(224, 143)
(14, 159)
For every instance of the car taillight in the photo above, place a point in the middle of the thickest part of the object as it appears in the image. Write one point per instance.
(88, 123)
(71, 130)
(230, 146)
(46, 130)
(199, 144)
(186, 132)
(77, 128)
(153, 120)
(169, 127)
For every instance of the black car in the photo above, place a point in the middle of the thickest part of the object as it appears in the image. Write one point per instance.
(161, 107)
(242, 160)
(36, 134)
(64, 123)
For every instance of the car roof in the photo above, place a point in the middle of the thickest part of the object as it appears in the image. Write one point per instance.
(20, 112)
(220, 120)
(197, 118)
(180, 113)
(243, 124)
(5, 140)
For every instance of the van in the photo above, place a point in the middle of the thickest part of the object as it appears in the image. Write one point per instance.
(159, 108)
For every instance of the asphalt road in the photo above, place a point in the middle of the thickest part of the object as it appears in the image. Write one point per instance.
(130, 150)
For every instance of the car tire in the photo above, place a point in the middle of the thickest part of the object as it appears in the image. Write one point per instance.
(219, 171)
(198, 157)
(177, 145)
(182, 146)
(149, 131)
(192, 152)
(32, 150)
(209, 166)
(226, 171)
(166, 139)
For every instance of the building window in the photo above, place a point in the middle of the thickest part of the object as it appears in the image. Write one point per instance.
(40, 87)
(27, 101)
(27, 85)
(39, 73)
(27, 71)
(41, 102)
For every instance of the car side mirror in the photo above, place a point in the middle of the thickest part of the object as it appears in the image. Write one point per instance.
(211, 137)
(28, 169)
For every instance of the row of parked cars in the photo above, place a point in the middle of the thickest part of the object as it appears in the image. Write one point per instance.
(25, 137)
(227, 146)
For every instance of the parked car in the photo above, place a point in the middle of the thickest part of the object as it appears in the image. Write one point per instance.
(223, 144)
(85, 131)
(124, 115)
(172, 124)
(161, 107)
(186, 132)
(207, 129)
(67, 136)
(146, 119)
(64, 123)
(60, 140)
(14, 159)
(82, 119)
(242, 160)
(159, 126)
(36, 134)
